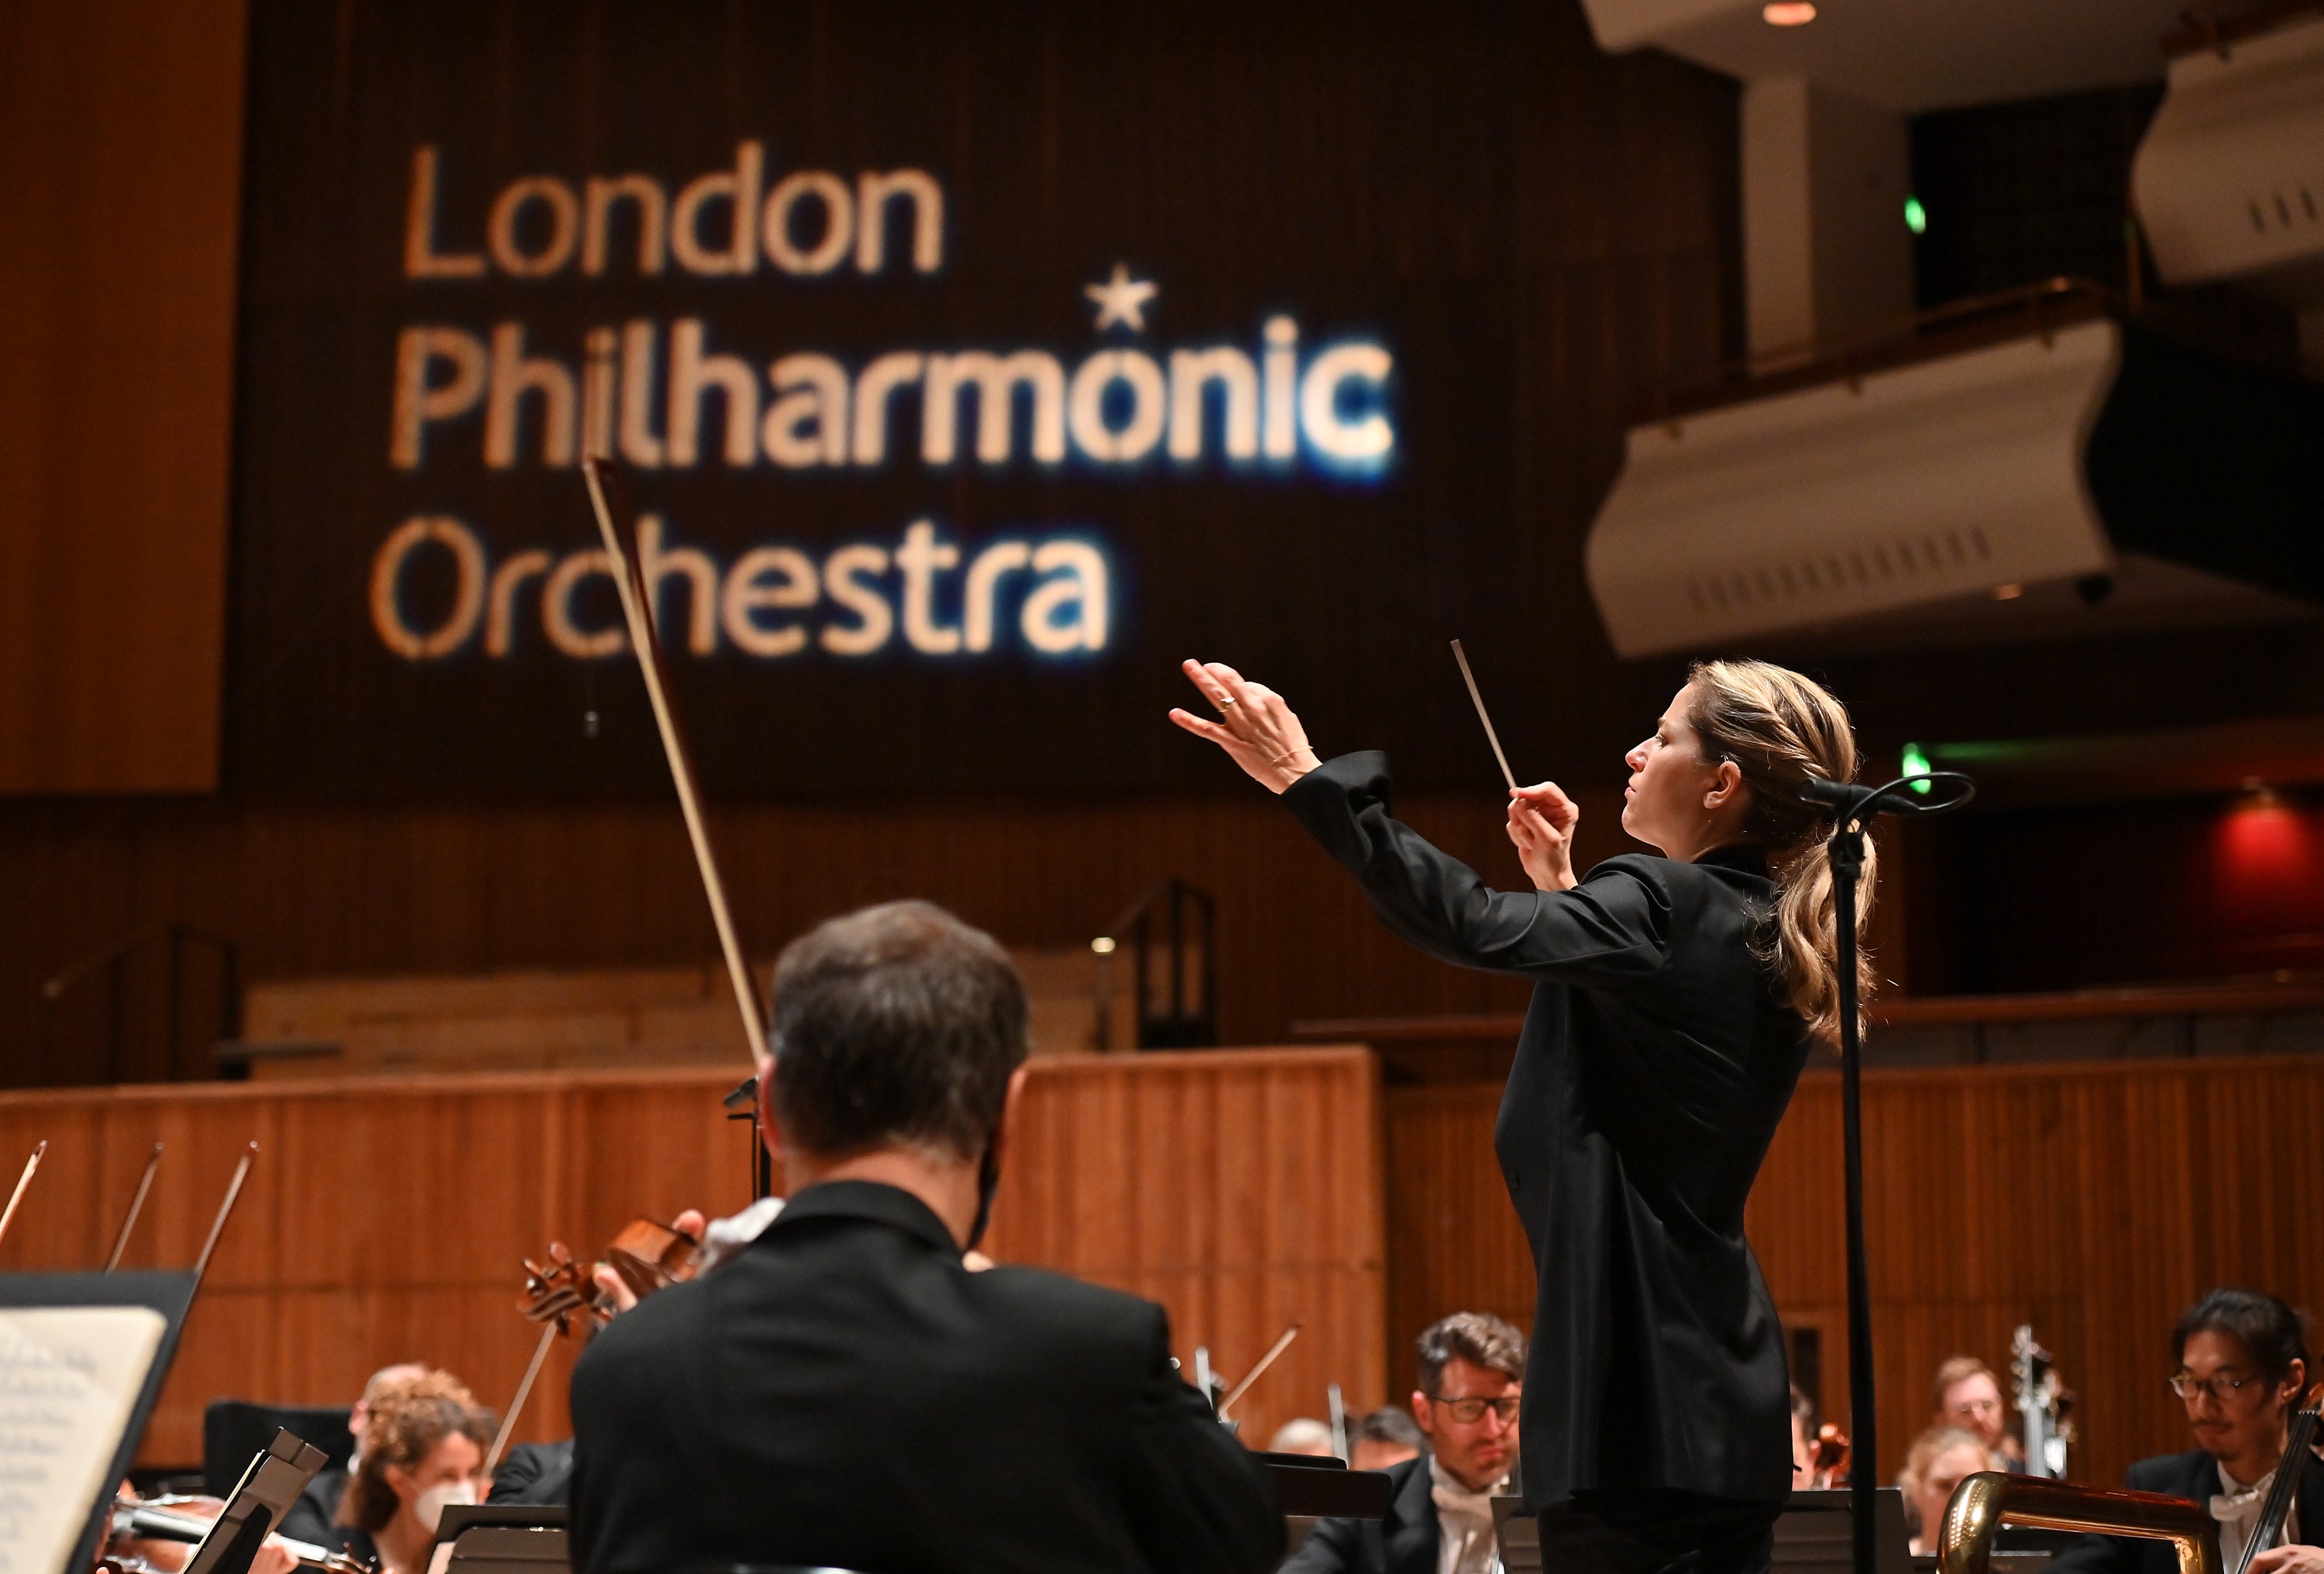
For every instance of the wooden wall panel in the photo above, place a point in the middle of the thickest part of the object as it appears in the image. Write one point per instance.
(2095, 1201)
(308, 892)
(1242, 1191)
(120, 173)
(387, 1220)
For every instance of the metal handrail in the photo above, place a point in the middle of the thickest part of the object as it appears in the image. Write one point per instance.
(1982, 1504)
(111, 960)
(1836, 355)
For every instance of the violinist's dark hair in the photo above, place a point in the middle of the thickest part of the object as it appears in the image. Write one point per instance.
(2274, 1334)
(896, 1025)
(1477, 1337)
(1392, 1424)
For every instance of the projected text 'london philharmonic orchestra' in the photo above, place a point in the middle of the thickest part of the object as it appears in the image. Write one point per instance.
(672, 395)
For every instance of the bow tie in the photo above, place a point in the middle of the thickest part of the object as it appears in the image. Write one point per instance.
(2245, 1506)
(1465, 1518)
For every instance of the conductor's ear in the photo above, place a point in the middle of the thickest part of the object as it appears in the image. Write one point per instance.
(1726, 784)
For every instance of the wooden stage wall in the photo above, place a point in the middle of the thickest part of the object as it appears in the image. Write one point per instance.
(387, 1220)
(2095, 1201)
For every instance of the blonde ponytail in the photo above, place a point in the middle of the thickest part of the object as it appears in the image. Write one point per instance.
(1780, 728)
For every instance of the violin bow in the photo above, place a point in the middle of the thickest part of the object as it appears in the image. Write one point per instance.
(23, 1183)
(136, 1206)
(523, 1392)
(224, 1212)
(618, 528)
(1282, 1343)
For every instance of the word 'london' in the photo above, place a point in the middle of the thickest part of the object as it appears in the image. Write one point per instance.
(660, 396)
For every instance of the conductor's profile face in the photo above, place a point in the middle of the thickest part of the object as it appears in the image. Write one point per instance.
(1676, 800)
(1471, 1422)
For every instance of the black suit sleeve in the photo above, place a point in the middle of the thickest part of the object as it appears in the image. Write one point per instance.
(534, 1475)
(1609, 930)
(2122, 1554)
(1198, 1503)
(1335, 1546)
(309, 1519)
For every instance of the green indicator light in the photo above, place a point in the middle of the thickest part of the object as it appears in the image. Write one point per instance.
(1915, 763)
(1916, 218)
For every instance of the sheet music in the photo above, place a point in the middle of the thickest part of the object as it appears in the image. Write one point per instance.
(70, 1377)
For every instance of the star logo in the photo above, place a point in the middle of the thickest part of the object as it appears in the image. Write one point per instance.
(1123, 299)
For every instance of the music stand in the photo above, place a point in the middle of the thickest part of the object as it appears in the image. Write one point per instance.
(265, 1494)
(169, 1294)
(1814, 1534)
(503, 1538)
(1518, 1536)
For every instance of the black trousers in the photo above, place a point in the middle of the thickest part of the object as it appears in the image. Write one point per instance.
(1657, 1533)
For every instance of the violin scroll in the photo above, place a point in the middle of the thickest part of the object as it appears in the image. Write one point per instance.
(644, 1255)
(1827, 1458)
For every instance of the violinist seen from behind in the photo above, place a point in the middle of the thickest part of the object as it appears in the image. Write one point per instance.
(843, 1391)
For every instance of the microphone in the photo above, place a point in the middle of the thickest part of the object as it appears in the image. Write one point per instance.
(1836, 795)
(1848, 800)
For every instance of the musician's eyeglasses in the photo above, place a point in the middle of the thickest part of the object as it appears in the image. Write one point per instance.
(1468, 1412)
(2219, 1386)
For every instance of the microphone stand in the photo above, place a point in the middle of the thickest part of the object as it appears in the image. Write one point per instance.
(1853, 808)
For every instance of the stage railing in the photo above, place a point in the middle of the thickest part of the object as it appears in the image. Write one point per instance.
(112, 965)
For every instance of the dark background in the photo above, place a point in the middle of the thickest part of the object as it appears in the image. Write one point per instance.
(1552, 228)
(1532, 230)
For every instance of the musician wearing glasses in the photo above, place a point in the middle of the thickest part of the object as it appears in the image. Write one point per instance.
(2241, 1364)
(1440, 1517)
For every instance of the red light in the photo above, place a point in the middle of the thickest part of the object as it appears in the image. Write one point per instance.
(2267, 880)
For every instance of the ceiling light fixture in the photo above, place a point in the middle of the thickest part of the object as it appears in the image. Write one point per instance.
(1787, 13)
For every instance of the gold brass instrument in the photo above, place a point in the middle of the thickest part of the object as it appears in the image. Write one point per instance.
(1989, 1500)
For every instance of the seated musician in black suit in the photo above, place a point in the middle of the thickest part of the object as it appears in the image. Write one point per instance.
(533, 1475)
(2242, 1362)
(1471, 1373)
(843, 1391)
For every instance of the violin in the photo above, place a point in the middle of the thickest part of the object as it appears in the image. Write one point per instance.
(1827, 1458)
(564, 1296)
(157, 1536)
(646, 1255)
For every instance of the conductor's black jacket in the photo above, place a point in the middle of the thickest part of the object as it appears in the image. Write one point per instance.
(845, 1393)
(1655, 1061)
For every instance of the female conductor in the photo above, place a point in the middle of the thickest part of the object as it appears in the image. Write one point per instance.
(1674, 1004)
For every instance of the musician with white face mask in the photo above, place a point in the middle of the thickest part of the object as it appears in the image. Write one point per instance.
(423, 1448)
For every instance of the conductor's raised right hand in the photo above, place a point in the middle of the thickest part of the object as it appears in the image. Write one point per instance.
(1254, 727)
(1542, 819)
